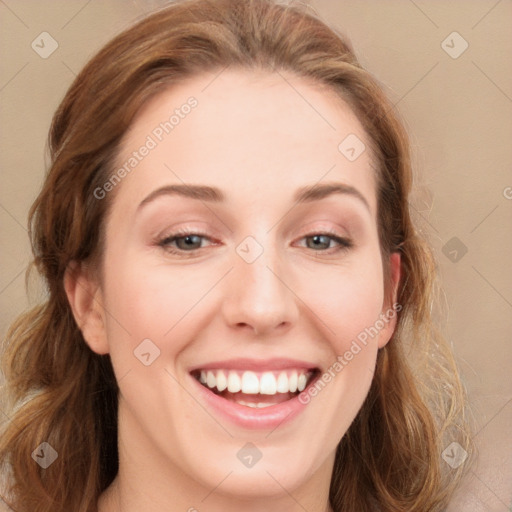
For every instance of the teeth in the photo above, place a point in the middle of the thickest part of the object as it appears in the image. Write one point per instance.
(222, 382)
(268, 385)
(250, 383)
(254, 405)
(234, 382)
(301, 383)
(211, 381)
(282, 383)
(292, 382)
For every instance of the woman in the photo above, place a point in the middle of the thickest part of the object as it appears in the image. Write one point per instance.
(233, 276)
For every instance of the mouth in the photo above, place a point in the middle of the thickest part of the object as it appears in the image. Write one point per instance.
(256, 389)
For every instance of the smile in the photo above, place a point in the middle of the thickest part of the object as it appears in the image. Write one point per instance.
(234, 383)
(255, 398)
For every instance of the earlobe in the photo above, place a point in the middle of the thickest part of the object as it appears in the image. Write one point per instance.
(391, 307)
(84, 297)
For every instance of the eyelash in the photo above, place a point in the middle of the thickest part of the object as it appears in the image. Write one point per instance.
(344, 244)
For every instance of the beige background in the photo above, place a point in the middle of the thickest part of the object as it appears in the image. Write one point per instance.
(458, 112)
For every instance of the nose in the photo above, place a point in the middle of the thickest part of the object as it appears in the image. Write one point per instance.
(258, 295)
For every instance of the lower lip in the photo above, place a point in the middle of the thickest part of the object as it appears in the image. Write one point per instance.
(262, 418)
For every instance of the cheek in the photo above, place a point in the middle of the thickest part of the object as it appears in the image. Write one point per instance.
(145, 302)
(346, 299)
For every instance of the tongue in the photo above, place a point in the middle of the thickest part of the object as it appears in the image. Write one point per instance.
(257, 398)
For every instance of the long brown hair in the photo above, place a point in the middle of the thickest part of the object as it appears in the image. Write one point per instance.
(62, 393)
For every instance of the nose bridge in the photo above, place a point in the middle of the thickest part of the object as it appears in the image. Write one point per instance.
(257, 295)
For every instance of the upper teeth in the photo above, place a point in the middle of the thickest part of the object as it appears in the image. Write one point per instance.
(267, 383)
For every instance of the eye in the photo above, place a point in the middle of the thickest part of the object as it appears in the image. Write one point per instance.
(322, 242)
(182, 241)
(188, 242)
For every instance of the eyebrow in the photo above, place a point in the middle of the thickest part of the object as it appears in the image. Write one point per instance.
(215, 195)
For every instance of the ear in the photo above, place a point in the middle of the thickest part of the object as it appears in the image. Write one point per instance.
(84, 296)
(391, 308)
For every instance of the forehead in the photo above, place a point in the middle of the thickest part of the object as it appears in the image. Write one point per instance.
(246, 131)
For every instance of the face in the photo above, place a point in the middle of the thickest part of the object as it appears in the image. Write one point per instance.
(229, 284)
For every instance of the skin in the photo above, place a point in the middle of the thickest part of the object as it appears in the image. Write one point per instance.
(256, 138)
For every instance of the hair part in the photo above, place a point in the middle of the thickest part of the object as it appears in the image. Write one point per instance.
(62, 393)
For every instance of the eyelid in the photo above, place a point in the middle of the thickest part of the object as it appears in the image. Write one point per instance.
(344, 243)
(183, 233)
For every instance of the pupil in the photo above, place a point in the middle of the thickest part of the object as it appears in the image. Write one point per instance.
(189, 240)
(317, 240)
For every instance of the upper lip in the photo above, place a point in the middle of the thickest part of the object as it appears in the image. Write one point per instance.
(256, 365)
